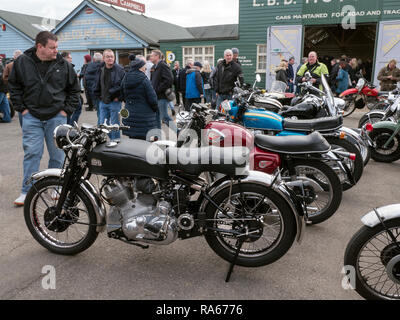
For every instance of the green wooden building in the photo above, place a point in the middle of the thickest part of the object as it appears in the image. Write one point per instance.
(270, 30)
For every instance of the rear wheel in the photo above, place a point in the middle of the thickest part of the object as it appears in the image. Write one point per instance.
(257, 211)
(381, 153)
(370, 117)
(376, 259)
(356, 166)
(323, 193)
(69, 233)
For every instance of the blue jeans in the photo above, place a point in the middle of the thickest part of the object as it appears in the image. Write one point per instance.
(222, 97)
(110, 112)
(208, 95)
(163, 116)
(5, 107)
(75, 116)
(34, 133)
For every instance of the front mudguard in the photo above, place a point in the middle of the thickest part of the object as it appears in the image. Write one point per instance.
(265, 180)
(348, 92)
(88, 189)
(386, 125)
(386, 213)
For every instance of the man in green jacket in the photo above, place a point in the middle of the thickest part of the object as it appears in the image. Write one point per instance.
(315, 68)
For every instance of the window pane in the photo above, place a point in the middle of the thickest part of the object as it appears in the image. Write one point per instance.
(262, 49)
(188, 51)
(198, 50)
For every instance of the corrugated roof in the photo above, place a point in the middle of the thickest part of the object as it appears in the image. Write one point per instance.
(27, 24)
(215, 32)
(148, 29)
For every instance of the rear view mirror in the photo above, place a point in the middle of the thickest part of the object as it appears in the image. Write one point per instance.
(258, 78)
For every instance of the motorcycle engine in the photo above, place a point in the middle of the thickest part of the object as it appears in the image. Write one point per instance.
(136, 214)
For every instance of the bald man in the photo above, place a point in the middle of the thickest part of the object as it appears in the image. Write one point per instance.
(315, 68)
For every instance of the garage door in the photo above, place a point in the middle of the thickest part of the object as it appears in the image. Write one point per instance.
(283, 42)
(388, 46)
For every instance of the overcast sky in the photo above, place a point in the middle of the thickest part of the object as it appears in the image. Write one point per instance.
(186, 13)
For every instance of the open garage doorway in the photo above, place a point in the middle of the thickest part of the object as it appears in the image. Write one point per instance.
(332, 41)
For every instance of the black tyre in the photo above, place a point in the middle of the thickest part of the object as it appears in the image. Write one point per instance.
(66, 237)
(376, 260)
(370, 117)
(269, 220)
(356, 166)
(350, 106)
(381, 106)
(387, 154)
(324, 195)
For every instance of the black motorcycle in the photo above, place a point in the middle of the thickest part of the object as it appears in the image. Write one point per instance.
(156, 196)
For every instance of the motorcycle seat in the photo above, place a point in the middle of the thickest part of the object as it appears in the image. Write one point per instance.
(320, 124)
(228, 161)
(312, 143)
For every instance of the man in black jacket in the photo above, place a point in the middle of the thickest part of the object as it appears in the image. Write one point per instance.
(228, 72)
(91, 72)
(182, 81)
(44, 88)
(108, 90)
(175, 72)
(162, 80)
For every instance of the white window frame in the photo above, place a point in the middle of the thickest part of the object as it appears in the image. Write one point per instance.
(203, 55)
(259, 56)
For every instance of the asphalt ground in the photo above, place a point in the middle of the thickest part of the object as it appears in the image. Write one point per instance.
(186, 269)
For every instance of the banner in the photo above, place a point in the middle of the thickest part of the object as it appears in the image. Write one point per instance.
(127, 4)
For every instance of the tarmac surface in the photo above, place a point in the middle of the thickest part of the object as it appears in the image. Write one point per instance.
(186, 269)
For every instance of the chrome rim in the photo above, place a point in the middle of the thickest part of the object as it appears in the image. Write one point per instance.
(257, 215)
(377, 265)
(66, 232)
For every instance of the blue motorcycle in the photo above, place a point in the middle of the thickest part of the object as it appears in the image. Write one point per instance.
(266, 122)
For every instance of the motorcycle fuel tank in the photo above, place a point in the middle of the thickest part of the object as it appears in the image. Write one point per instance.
(234, 135)
(128, 158)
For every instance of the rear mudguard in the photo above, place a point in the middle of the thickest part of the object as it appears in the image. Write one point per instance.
(386, 125)
(385, 213)
(349, 92)
(265, 180)
(88, 189)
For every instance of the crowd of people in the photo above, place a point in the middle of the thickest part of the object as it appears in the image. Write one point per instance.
(46, 92)
(342, 73)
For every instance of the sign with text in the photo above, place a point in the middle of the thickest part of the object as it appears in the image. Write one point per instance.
(127, 4)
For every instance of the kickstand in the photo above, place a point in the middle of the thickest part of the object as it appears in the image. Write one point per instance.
(228, 277)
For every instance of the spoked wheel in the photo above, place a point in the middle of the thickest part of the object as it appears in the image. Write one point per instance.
(376, 259)
(323, 193)
(69, 233)
(387, 154)
(350, 105)
(257, 215)
(356, 166)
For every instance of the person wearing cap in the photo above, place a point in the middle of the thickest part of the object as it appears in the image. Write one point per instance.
(141, 101)
(389, 76)
(194, 85)
(235, 52)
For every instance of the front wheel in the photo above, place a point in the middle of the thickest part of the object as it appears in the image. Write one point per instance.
(376, 260)
(69, 233)
(387, 154)
(350, 105)
(259, 213)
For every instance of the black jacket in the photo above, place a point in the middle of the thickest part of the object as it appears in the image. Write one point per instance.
(175, 74)
(43, 97)
(90, 75)
(3, 87)
(226, 76)
(141, 102)
(161, 79)
(182, 79)
(117, 75)
(281, 75)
